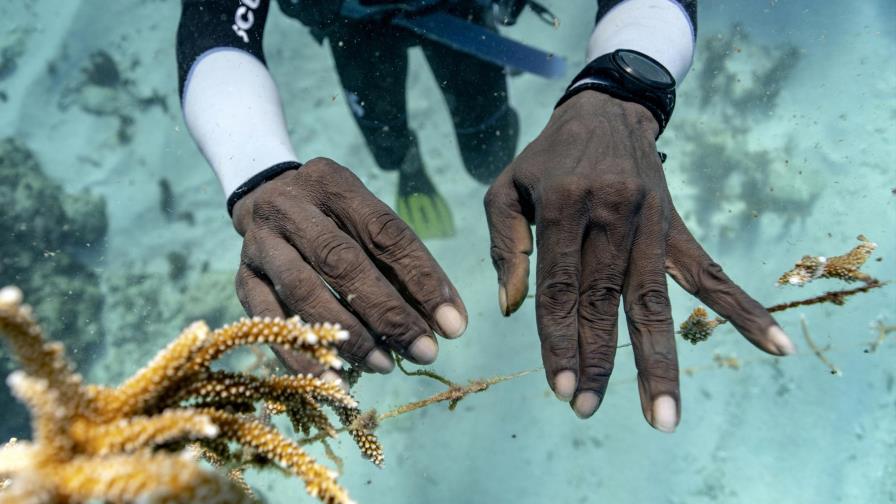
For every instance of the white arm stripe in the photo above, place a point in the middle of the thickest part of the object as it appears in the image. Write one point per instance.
(233, 110)
(660, 29)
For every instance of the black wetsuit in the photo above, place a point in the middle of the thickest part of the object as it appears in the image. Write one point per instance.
(371, 59)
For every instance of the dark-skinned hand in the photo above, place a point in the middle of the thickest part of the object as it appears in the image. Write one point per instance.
(593, 186)
(319, 245)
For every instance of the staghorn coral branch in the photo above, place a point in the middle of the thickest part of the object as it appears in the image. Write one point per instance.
(361, 429)
(38, 358)
(141, 432)
(153, 380)
(129, 443)
(315, 340)
(145, 476)
(227, 387)
(269, 442)
(307, 413)
(50, 418)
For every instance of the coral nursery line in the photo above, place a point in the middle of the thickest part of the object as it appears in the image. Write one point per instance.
(698, 327)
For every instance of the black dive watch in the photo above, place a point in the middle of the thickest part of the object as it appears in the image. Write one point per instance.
(631, 76)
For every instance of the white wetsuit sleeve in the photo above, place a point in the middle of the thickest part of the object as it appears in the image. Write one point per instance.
(662, 29)
(230, 102)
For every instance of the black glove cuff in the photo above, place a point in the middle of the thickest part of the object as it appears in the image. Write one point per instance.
(607, 75)
(259, 179)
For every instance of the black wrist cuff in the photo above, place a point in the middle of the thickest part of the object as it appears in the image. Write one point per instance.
(606, 75)
(259, 179)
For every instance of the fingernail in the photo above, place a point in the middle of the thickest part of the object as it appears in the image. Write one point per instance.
(665, 413)
(451, 323)
(586, 404)
(502, 300)
(780, 340)
(333, 377)
(564, 385)
(380, 361)
(423, 350)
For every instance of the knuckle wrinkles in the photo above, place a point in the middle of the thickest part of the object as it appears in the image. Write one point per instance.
(662, 367)
(598, 370)
(562, 349)
(390, 238)
(651, 304)
(558, 294)
(600, 298)
(598, 358)
(337, 258)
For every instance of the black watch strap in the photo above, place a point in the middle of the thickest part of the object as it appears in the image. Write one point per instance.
(605, 74)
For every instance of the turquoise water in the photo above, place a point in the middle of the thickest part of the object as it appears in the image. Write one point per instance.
(809, 120)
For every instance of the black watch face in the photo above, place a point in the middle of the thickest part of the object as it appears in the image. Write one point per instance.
(645, 69)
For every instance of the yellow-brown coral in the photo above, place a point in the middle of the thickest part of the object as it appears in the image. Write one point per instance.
(698, 326)
(131, 442)
(844, 267)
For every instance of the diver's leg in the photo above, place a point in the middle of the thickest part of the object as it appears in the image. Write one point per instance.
(487, 127)
(372, 63)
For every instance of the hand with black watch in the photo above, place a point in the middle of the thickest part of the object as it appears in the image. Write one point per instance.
(593, 186)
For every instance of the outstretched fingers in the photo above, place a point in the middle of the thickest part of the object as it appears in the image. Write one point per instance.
(698, 274)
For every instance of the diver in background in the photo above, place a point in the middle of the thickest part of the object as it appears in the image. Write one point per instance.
(318, 244)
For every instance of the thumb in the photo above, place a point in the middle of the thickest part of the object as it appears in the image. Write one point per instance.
(511, 242)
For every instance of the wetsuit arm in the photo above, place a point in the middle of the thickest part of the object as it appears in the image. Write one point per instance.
(230, 102)
(663, 29)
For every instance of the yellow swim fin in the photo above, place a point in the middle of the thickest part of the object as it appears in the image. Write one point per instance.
(419, 203)
(427, 214)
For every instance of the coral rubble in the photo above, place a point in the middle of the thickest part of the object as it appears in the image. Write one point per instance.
(133, 442)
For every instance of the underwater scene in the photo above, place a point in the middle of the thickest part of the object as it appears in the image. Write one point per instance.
(116, 242)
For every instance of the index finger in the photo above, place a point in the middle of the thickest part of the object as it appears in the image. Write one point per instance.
(698, 274)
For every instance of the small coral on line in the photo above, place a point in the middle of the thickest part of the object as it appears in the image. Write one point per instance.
(843, 267)
(139, 441)
(698, 326)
